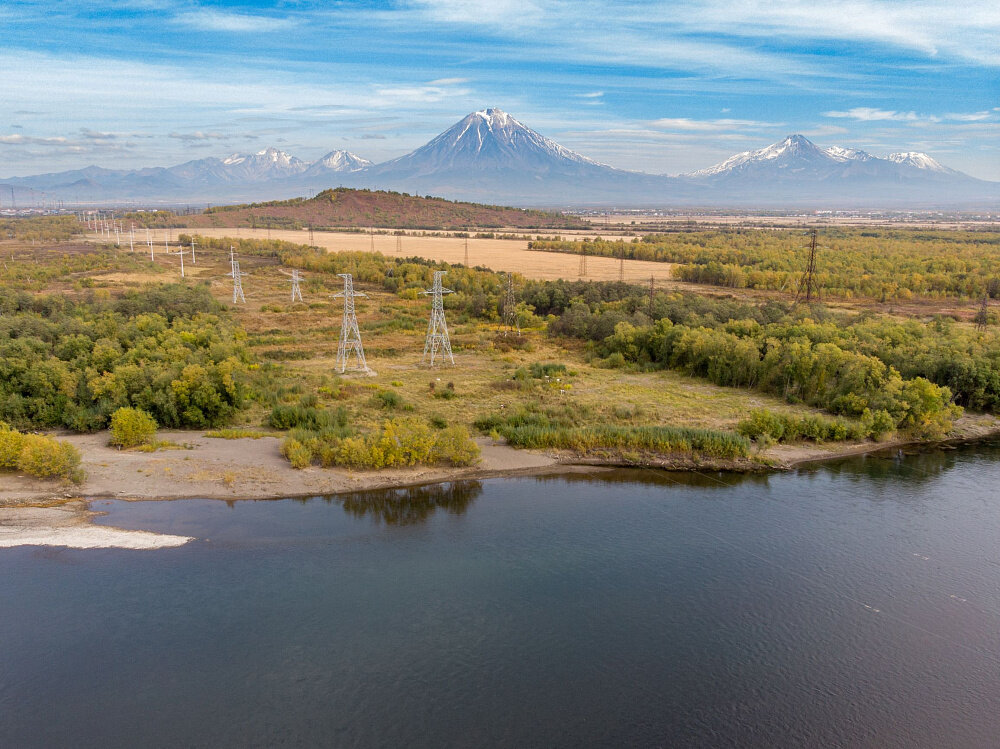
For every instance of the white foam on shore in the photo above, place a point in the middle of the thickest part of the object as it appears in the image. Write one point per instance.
(87, 537)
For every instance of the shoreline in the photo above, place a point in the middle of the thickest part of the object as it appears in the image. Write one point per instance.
(62, 518)
(248, 469)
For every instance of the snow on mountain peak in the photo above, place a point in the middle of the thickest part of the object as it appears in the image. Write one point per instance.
(918, 160)
(791, 146)
(840, 153)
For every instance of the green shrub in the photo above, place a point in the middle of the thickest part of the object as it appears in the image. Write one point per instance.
(47, 457)
(766, 427)
(388, 399)
(454, 445)
(400, 442)
(11, 443)
(131, 427)
(297, 453)
(308, 417)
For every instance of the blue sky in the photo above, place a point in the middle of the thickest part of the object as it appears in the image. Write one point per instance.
(663, 87)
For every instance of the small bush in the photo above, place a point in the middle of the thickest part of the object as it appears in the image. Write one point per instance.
(11, 443)
(131, 427)
(765, 426)
(297, 453)
(47, 457)
(388, 399)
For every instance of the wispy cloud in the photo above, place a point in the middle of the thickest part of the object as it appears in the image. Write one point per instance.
(17, 139)
(198, 135)
(241, 23)
(686, 124)
(872, 114)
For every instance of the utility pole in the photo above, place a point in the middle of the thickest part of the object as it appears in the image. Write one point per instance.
(350, 336)
(310, 233)
(437, 330)
(652, 292)
(621, 264)
(583, 260)
(237, 277)
(466, 250)
(399, 244)
(194, 260)
(510, 309)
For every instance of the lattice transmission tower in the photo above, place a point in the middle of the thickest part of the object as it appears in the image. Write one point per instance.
(350, 336)
(809, 279)
(510, 309)
(437, 331)
(295, 278)
(583, 260)
(982, 317)
(237, 276)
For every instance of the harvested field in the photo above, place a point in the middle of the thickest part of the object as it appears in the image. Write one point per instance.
(495, 254)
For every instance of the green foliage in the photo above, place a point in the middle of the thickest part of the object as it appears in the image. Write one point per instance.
(831, 360)
(40, 228)
(73, 363)
(874, 263)
(531, 428)
(767, 426)
(131, 427)
(39, 455)
(307, 417)
(239, 434)
(390, 400)
(400, 442)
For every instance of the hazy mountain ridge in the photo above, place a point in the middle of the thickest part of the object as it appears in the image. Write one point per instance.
(489, 156)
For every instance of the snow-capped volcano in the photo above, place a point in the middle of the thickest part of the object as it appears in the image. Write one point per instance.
(338, 161)
(920, 161)
(794, 153)
(488, 140)
(267, 164)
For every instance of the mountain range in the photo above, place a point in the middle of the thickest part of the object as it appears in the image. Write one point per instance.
(489, 156)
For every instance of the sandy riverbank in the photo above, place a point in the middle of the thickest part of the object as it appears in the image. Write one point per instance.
(255, 469)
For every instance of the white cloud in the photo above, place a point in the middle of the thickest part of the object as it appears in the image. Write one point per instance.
(871, 114)
(214, 20)
(685, 124)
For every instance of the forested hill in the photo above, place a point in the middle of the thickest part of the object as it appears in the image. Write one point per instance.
(363, 208)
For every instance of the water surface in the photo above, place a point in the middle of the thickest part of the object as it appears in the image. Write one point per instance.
(854, 604)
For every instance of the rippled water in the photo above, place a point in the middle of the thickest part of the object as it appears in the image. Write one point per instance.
(855, 604)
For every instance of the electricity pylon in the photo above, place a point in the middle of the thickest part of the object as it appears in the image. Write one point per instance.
(510, 309)
(583, 260)
(350, 336)
(982, 317)
(295, 277)
(437, 330)
(466, 250)
(809, 279)
(399, 244)
(237, 276)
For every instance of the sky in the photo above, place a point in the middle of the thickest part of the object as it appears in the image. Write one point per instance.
(661, 87)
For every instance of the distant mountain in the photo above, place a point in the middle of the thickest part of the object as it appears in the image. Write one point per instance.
(490, 157)
(337, 161)
(797, 171)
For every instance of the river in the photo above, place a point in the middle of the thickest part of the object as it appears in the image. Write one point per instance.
(851, 604)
